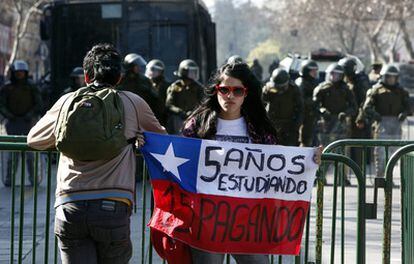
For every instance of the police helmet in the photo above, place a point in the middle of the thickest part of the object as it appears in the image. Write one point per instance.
(279, 78)
(390, 70)
(134, 59)
(188, 69)
(349, 64)
(335, 72)
(154, 69)
(389, 75)
(77, 72)
(306, 67)
(19, 65)
(235, 59)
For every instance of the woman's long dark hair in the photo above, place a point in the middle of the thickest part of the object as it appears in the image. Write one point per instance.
(252, 109)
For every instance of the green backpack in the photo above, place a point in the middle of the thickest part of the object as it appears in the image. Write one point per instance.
(90, 125)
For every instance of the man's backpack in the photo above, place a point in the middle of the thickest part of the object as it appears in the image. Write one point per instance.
(90, 125)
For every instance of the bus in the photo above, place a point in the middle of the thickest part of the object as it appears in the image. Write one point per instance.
(169, 30)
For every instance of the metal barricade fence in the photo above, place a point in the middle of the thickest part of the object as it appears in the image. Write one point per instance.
(385, 182)
(47, 248)
(386, 246)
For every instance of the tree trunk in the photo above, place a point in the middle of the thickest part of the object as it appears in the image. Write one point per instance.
(406, 38)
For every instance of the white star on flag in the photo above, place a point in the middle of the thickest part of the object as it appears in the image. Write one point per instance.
(169, 161)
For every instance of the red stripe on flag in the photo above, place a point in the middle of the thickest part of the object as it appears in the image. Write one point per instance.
(227, 224)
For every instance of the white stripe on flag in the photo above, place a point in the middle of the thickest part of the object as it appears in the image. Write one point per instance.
(256, 171)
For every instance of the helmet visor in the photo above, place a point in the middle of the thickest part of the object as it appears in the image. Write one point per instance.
(193, 73)
(153, 72)
(390, 80)
(335, 76)
(314, 73)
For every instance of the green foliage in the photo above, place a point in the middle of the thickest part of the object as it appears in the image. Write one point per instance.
(266, 52)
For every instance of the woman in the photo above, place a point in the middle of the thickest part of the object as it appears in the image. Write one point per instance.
(232, 111)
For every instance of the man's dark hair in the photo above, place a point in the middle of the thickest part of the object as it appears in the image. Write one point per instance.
(103, 64)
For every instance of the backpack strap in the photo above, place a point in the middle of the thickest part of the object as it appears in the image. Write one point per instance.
(132, 140)
(60, 111)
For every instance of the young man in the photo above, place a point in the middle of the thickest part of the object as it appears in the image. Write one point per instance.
(94, 198)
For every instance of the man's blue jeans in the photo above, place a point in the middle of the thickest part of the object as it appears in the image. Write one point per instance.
(94, 231)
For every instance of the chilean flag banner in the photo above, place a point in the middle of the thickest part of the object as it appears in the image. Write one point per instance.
(228, 197)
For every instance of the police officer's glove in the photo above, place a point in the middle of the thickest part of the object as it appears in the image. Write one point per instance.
(402, 117)
(341, 117)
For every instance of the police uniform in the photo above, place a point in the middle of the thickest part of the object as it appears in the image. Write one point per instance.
(20, 104)
(334, 99)
(387, 107)
(160, 86)
(307, 129)
(359, 85)
(182, 98)
(285, 110)
(142, 86)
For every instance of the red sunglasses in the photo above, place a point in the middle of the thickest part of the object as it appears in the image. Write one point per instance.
(237, 91)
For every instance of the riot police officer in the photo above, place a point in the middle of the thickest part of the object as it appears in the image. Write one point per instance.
(135, 81)
(20, 104)
(357, 81)
(336, 105)
(307, 82)
(284, 106)
(77, 79)
(387, 105)
(155, 72)
(184, 95)
(359, 84)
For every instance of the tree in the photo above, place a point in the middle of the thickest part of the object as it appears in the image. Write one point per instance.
(23, 12)
(266, 52)
(353, 26)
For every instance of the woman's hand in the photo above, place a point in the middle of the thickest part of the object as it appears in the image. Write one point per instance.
(317, 156)
(140, 140)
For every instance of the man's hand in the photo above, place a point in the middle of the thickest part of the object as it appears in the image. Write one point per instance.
(140, 140)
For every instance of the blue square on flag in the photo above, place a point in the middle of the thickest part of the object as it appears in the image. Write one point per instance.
(177, 156)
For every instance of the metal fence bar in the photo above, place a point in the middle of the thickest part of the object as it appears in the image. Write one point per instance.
(22, 187)
(307, 238)
(21, 139)
(333, 228)
(319, 214)
(35, 189)
(386, 246)
(47, 222)
(360, 258)
(144, 202)
(402, 163)
(13, 201)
